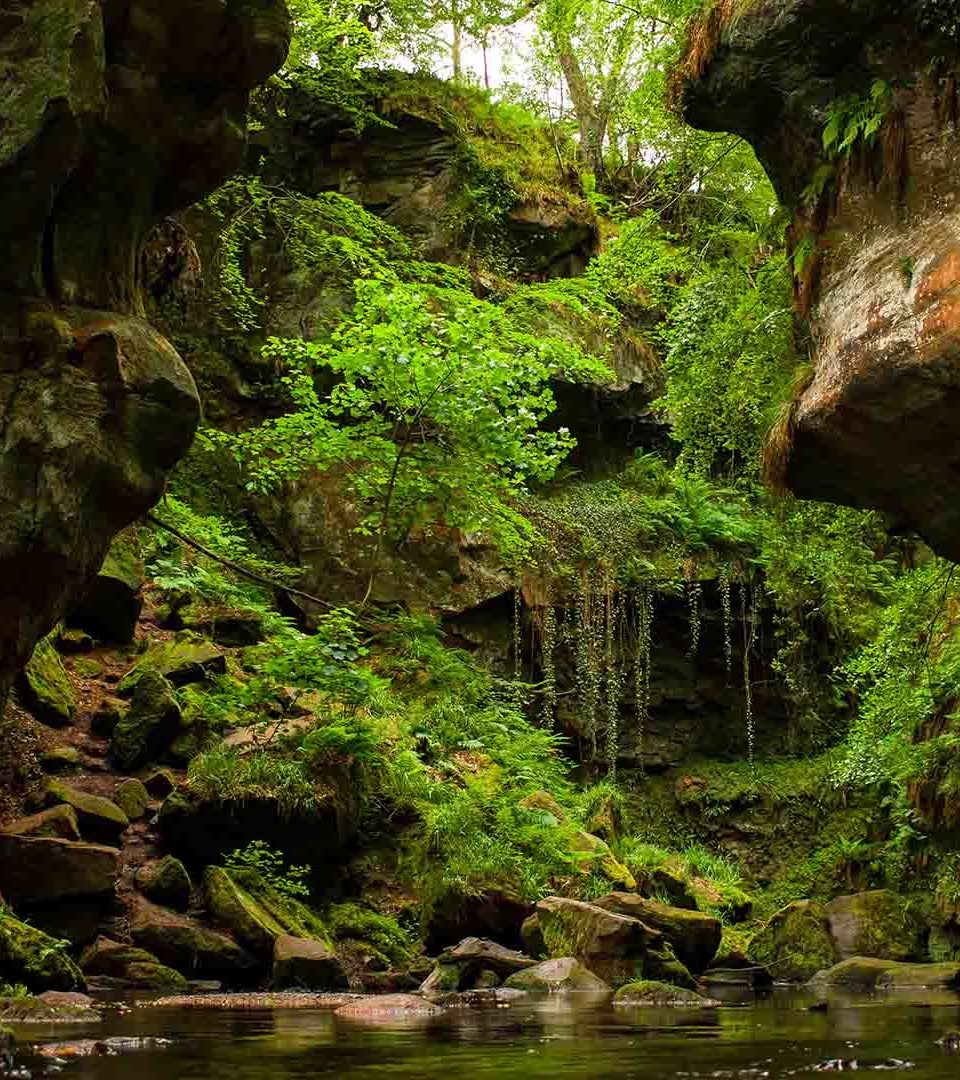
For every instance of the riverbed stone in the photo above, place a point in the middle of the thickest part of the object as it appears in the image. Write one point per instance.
(661, 995)
(166, 882)
(563, 974)
(182, 943)
(100, 819)
(795, 943)
(307, 963)
(44, 688)
(58, 821)
(695, 937)
(875, 923)
(43, 870)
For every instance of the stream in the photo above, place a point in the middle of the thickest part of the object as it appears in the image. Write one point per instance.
(570, 1037)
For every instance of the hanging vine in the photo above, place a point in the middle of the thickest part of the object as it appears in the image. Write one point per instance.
(695, 601)
(517, 627)
(749, 624)
(613, 651)
(548, 646)
(643, 634)
(725, 579)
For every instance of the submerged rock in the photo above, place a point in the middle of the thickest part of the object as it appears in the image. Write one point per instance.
(561, 975)
(795, 943)
(662, 995)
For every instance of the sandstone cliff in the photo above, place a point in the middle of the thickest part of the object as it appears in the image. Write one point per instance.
(877, 426)
(112, 115)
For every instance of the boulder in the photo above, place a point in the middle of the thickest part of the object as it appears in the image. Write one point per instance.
(605, 821)
(139, 969)
(306, 963)
(30, 957)
(661, 995)
(495, 911)
(38, 870)
(461, 967)
(616, 948)
(542, 802)
(186, 659)
(235, 629)
(182, 943)
(58, 821)
(596, 854)
(155, 976)
(44, 688)
(165, 882)
(106, 716)
(160, 783)
(73, 642)
(234, 909)
(795, 943)
(100, 819)
(659, 881)
(60, 759)
(132, 798)
(149, 726)
(389, 1008)
(560, 975)
(871, 973)
(694, 937)
(110, 606)
(857, 973)
(875, 924)
(532, 938)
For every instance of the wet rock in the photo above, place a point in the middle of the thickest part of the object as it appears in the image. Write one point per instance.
(485, 953)
(662, 995)
(616, 948)
(736, 969)
(306, 963)
(876, 924)
(871, 973)
(149, 726)
(166, 882)
(100, 819)
(445, 978)
(160, 783)
(30, 957)
(182, 943)
(795, 943)
(561, 975)
(856, 973)
(186, 659)
(532, 938)
(390, 1008)
(44, 688)
(694, 937)
(39, 870)
(132, 798)
(58, 821)
(110, 606)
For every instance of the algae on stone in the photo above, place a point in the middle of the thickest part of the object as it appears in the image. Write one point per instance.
(30, 957)
(795, 943)
(44, 688)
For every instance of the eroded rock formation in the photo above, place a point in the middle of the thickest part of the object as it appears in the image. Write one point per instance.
(113, 114)
(878, 425)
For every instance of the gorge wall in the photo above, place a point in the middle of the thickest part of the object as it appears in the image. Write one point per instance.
(877, 425)
(111, 117)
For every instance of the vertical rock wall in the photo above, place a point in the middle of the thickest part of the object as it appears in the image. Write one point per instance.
(113, 114)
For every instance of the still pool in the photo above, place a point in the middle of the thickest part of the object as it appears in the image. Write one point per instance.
(569, 1038)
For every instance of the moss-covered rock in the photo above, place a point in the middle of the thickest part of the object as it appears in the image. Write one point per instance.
(876, 923)
(183, 944)
(138, 968)
(106, 716)
(73, 642)
(695, 937)
(60, 759)
(132, 798)
(185, 659)
(111, 605)
(531, 937)
(150, 724)
(543, 802)
(30, 957)
(155, 976)
(616, 948)
(661, 995)
(59, 821)
(44, 688)
(563, 974)
(166, 882)
(160, 782)
(856, 973)
(795, 943)
(605, 820)
(596, 854)
(100, 819)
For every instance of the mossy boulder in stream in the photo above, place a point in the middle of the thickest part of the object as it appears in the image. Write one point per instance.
(140, 969)
(30, 957)
(795, 943)
(44, 688)
(150, 724)
(182, 943)
(694, 937)
(876, 923)
(563, 974)
(661, 995)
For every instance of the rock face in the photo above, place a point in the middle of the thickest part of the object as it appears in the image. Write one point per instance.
(795, 943)
(875, 924)
(42, 870)
(878, 424)
(695, 937)
(111, 117)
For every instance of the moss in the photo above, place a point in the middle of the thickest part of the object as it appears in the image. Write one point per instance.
(132, 798)
(154, 976)
(296, 918)
(376, 937)
(597, 851)
(236, 910)
(44, 688)
(33, 958)
(97, 815)
(86, 668)
(166, 882)
(149, 725)
(876, 923)
(183, 660)
(795, 943)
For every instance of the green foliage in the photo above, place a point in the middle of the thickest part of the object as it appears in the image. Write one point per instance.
(435, 420)
(270, 865)
(377, 937)
(854, 121)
